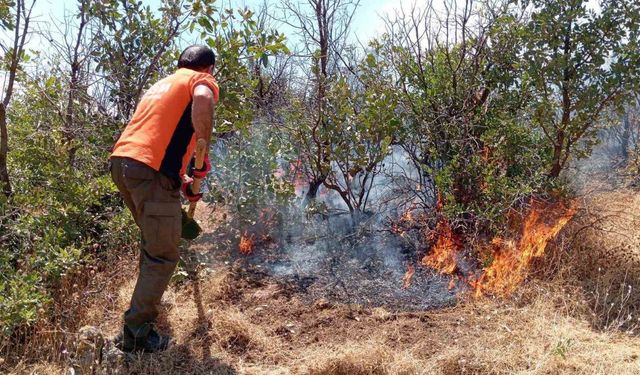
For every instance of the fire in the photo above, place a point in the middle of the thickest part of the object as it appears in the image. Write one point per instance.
(406, 280)
(247, 244)
(509, 259)
(512, 259)
(408, 215)
(444, 254)
(452, 284)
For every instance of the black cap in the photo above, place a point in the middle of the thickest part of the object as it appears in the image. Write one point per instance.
(196, 57)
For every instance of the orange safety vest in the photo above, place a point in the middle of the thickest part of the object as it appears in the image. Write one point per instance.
(161, 134)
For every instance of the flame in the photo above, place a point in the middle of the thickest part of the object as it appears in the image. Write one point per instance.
(406, 280)
(408, 215)
(257, 234)
(509, 259)
(247, 244)
(444, 254)
(405, 222)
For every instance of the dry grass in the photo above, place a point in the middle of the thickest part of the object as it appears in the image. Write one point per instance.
(224, 322)
(358, 358)
(601, 255)
(527, 336)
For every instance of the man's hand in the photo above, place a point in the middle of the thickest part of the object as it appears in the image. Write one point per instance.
(206, 167)
(187, 183)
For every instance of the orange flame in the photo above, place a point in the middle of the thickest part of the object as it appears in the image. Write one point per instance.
(512, 259)
(509, 259)
(407, 216)
(246, 244)
(452, 284)
(406, 280)
(444, 254)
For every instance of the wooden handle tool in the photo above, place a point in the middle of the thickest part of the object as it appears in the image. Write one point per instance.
(201, 148)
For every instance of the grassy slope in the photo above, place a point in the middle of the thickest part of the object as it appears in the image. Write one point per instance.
(229, 321)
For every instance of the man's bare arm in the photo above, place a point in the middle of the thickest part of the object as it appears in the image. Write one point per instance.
(202, 111)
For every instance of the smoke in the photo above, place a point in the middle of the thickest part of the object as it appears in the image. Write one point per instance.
(322, 250)
(607, 165)
(331, 257)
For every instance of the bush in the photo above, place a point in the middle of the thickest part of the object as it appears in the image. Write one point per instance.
(60, 216)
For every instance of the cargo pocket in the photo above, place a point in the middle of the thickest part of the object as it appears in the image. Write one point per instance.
(161, 229)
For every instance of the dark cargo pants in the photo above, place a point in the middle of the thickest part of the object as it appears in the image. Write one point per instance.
(154, 201)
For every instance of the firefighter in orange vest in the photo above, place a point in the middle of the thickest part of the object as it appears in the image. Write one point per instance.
(148, 165)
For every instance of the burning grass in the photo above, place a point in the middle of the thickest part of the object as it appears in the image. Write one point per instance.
(258, 233)
(510, 260)
(507, 260)
(446, 250)
(247, 244)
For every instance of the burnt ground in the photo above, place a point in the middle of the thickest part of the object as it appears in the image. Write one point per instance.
(329, 258)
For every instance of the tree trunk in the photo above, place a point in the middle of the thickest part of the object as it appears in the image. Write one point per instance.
(313, 189)
(323, 30)
(70, 131)
(560, 150)
(4, 150)
(626, 136)
(23, 16)
(556, 163)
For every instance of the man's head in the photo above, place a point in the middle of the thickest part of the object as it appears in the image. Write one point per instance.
(197, 57)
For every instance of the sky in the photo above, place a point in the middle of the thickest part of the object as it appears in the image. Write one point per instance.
(367, 22)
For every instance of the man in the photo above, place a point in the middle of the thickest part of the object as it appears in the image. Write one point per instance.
(148, 166)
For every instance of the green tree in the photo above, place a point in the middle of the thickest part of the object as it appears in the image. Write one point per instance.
(16, 18)
(59, 215)
(71, 48)
(461, 103)
(323, 26)
(134, 43)
(361, 124)
(244, 165)
(580, 64)
(244, 46)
